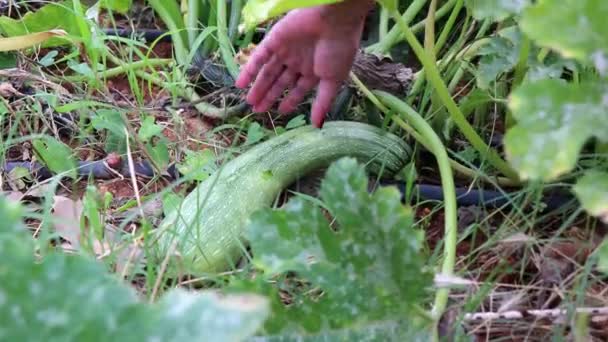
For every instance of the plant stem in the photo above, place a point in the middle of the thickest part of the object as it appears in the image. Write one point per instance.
(456, 166)
(447, 29)
(394, 36)
(123, 68)
(224, 41)
(449, 193)
(442, 91)
(429, 32)
(384, 17)
(192, 20)
(235, 19)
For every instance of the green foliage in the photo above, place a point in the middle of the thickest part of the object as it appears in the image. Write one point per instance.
(592, 191)
(198, 165)
(258, 11)
(56, 155)
(496, 9)
(120, 6)
(110, 121)
(499, 56)
(148, 129)
(54, 15)
(603, 257)
(59, 15)
(554, 120)
(72, 298)
(255, 133)
(370, 267)
(575, 28)
(296, 122)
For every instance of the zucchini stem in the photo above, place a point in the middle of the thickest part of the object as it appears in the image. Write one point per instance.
(449, 193)
(442, 91)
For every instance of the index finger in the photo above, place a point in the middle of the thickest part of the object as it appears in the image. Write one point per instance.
(260, 56)
(326, 93)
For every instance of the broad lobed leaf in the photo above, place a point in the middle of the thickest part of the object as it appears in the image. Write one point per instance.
(369, 266)
(72, 298)
(554, 120)
(592, 192)
(256, 12)
(496, 9)
(576, 28)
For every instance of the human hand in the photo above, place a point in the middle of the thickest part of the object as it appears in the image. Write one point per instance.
(308, 48)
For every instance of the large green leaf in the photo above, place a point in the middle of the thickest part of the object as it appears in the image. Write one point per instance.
(370, 269)
(59, 15)
(576, 28)
(72, 298)
(377, 332)
(258, 11)
(592, 192)
(496, 9)
(554, 120)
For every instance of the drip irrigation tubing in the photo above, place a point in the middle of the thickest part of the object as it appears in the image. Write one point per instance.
(465, 196)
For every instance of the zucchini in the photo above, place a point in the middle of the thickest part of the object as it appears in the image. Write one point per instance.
(207, 228)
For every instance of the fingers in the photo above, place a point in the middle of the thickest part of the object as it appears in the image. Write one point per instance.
(266, 78)
(326, 93)
(287, 79)
(297, 94)
(260, 57)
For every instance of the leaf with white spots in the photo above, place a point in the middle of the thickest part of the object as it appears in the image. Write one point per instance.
(554, 120)
(396, 331)
(499, 56)
(575, 28)
(592, 192)
(73, 298)
(496, 9)
(371, 258)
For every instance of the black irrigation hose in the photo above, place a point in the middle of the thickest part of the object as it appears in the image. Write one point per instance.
(98, 169)
(464, 196)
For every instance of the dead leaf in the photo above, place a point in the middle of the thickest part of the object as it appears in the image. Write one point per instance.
(66, 219)
(13, 196)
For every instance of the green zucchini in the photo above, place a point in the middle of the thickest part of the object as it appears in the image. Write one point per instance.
(206, 231)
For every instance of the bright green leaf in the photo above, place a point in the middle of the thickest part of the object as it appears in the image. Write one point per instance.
(592, 192)
(55, 155)
(256, 12)
(111, 120)
(575, 28)
(554, 120)
(159, 152)
(198, 165)
(390, 5)
(296, 122)
(497, 10)
(373, 258)
(149, 129)
(120, 6)
(255, 133)
(52, 16)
